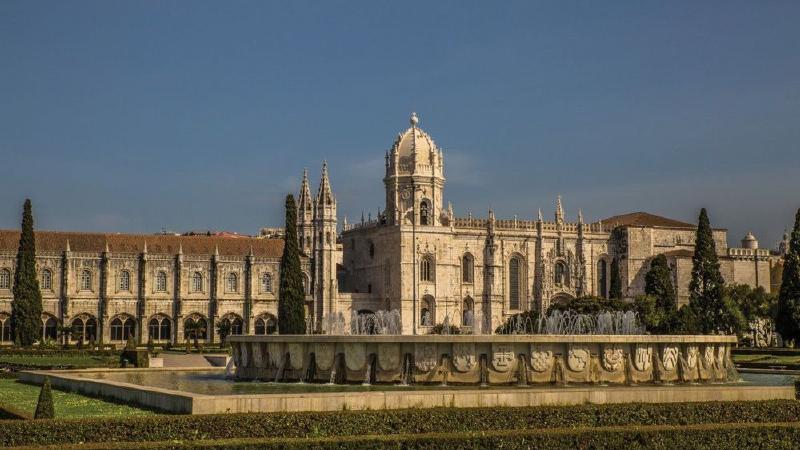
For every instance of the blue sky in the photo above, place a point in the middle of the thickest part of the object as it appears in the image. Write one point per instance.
(133, 116)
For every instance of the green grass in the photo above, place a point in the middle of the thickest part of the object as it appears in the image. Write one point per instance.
(75, 361)
(766, 359)
(67, 405)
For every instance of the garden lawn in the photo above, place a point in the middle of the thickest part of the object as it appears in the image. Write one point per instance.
(46, 361)
(766, 359)
(67, 405)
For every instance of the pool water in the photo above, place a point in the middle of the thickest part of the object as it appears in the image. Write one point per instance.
(213, 382)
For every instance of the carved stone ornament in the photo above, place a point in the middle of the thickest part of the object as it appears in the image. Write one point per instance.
(355, 355)
(425, 357)
(692, 354)
(721, 354)
(258, 355)
(643, 357)
(245, 355)
(669, 357)
(275, 351)
(323, 355)
(578, 358)
(502, 357)
(541, 360)
(296, 355)
(708, 355)
(613, 358)
(389, 356)
(464, 358)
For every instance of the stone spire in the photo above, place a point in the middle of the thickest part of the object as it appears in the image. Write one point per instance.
(304, 202)
(559, 210)
(67, 249)
(180, 248)
(414, 120)
(325, 194)
(540, 218)
(580, 217)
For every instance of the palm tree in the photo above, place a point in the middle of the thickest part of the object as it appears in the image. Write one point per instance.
(224, 330)
(64, 331)
(195, 328)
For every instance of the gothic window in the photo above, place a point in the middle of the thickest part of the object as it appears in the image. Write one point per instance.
(306, 284)
(84, 331)
(161, 282)
(50, 328)
(427, 269)
(47, 279)
(327, 237)
(425, 212)
(308, 241)
(195, 327)
(86, 280)
(125, 281)
(160, 328)
(266, 324)
(233, 282)
(427, 312)
(514, 282)
(234, 323)
(560, 274)
(5, 328)
(467, 268)
(602, 278)
(468, 314)
(266, 282)
(122, 328)
(5, 279)
(371, 250)
(197, 282)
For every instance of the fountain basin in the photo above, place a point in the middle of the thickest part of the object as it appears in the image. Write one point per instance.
(484, 359)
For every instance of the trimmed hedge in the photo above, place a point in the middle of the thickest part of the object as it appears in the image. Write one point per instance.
(774, 436)
(16, 351)
(8, 412)
(390, 422)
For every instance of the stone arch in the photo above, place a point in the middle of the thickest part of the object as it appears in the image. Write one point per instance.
(427, 311)
(561, 273)
(517, 281)
(5, 327)
(235, 321)
(122, 327)
(468, 312)
(84, 328)
(603, 275)
(467, 268)
(266, 323)
(159, 327)
(49, 327)
(195, 326)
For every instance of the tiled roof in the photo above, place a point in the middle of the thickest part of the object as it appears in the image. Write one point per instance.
(643, 219)
(56, 241)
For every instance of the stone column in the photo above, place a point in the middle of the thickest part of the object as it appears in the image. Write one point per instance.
(177, 309)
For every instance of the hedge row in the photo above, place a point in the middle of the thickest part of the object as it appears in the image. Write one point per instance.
(55, 352)
(390, 422)
(8, 412)
(774, 436)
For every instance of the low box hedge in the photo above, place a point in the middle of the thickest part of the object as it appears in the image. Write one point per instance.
(390, 422)
(774, 436)
(8, 412)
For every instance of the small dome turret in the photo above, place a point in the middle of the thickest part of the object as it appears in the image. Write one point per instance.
(750, 241)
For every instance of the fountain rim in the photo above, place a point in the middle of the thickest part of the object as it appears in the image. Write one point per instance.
(494, 338)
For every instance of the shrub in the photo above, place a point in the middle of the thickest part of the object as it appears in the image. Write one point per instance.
(441, 328)
(44, 406)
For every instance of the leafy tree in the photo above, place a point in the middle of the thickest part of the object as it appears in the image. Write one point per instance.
(754, 303)
(224, 330)
(715, 312)
(615, 289)
(787, 320)
(658, 284)
(685, 321)
(194, 329)
(44, 407)
(26, 310)
(291, 301)
(591, 305)
(655, 319)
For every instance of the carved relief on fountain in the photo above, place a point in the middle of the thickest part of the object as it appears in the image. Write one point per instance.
(275, 351)
(425, 357)
(669, 357)
(613, 358)
(502, 357)
(541, 358)
(355, 355)
(323, 355)
(237, 355)
(464, 357)
(642, 357)
(389, 356)
(258, 355)
(721, 355)
(708, 356)
(692, 355)
(296, 355)
(578, 358)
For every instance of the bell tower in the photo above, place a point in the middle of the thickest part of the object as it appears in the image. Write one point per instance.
(414, 179)
(324, 284)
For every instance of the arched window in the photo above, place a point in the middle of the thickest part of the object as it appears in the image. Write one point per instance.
(371, 250)
(233, 282)
(50, 328)
(425, 212)
(86, 280)
(266, 282)
(5, 279)
(90, 332)
(306, 284)
(327, 237)
(84, 330)
(467, 268)
(195, 327)
(5, 328)
(47, 279)
(122, 328)
(560, 274)
(161, 281)
(160, 328)
(125, 281)
(468, 313)
(514, 282)
(197, 282)
(235, 323)
(266, 324)
(427, 270)
(77, 329)
(427, 314)
(602, 278)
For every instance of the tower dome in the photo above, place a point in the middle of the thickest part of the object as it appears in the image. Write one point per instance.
(750, 241)
(414, 150)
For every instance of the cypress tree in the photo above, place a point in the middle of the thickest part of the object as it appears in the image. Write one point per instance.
(291, 300)
(787, 320)
(26, 310)
(615, 288)
(658, 284)
(715, 312)
(44, 406)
